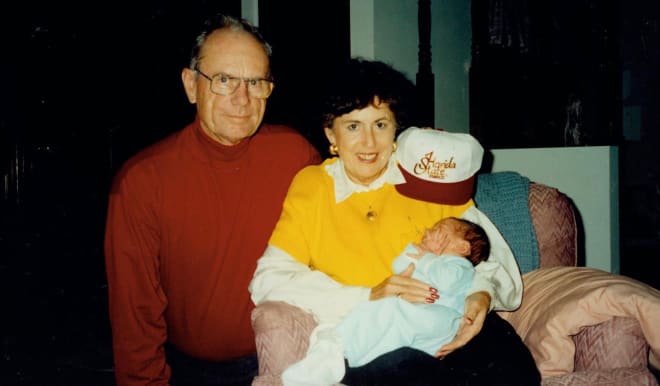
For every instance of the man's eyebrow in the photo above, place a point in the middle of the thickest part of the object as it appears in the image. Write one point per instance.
(241, 77)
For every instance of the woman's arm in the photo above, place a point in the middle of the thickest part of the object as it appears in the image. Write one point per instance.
(476, 309)
(280, 277)
(499, 276)
(497, 284)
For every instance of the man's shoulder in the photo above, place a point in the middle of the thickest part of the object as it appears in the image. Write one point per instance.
(275, 128)
(161, 147)
(149, 157)
(281, 134)
(285, 144)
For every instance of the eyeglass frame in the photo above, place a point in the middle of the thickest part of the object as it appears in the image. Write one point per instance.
(243, 81)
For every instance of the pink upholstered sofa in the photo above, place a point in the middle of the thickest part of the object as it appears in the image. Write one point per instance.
(573, 319)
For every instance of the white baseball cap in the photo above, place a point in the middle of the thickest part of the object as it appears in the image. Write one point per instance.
(438, 166)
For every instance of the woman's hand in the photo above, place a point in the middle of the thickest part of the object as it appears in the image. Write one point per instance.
(405, 287)
(477, 306)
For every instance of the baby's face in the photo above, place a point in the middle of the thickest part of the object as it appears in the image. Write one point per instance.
(444, 231)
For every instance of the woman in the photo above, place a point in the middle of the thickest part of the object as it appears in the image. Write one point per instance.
(343, 223)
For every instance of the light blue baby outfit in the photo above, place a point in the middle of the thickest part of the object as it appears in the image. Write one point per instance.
(377, 327)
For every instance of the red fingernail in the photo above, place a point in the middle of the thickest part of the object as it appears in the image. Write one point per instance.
(430, 300)
(433, 290)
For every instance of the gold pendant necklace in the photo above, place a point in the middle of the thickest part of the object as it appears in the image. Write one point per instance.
(371, 214)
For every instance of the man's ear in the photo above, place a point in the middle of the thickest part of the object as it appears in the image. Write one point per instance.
(189, 79)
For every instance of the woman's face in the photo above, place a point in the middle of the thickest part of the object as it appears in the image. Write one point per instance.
(364, 140)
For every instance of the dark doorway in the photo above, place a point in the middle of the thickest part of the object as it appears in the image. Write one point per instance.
(85, 85)
(545, 73)
(577, 73)
(308, 40)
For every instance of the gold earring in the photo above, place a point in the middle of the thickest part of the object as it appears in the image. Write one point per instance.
(334, 149)
(394, 146)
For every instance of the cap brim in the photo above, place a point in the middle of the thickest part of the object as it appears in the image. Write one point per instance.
(452, 193)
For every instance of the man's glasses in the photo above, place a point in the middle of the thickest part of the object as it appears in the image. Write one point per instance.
(223, 84)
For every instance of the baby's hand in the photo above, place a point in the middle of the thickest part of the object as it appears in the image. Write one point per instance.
(433, 241)
(420, 252)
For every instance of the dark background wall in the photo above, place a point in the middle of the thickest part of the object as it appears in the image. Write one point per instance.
(538, 67)
(639, 155)
(86, 84)
(541, 69)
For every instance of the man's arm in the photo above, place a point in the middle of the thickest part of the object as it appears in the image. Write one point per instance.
(137, 302)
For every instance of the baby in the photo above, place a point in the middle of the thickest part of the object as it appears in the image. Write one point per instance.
(444, 258)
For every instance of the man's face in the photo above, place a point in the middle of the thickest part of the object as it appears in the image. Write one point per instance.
(228, 118)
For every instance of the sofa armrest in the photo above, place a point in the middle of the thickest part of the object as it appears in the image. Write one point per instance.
(559, 303)
(611, 377)
(618, 342)
(282, 337)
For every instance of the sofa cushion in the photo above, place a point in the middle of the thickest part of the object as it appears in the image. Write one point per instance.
(555, 226)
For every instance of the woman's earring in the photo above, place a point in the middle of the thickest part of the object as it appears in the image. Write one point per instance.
(394, 146)
(334, 149)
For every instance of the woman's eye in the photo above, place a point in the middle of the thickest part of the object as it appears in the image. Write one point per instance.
(352, 127)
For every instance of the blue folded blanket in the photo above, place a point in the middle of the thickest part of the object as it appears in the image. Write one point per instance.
(504, 198)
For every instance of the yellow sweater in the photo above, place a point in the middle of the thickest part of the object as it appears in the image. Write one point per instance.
(339, 238)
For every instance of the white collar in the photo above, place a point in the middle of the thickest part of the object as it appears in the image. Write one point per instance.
(344, 187)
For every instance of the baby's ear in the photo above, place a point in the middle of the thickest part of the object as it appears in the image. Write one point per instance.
(464, 247)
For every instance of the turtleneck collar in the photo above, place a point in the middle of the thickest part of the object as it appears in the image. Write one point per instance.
(214, 151)
(344, 187)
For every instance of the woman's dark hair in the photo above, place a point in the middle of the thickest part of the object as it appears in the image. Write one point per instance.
(356, 83)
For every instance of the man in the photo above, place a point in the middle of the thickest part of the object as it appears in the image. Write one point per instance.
(189, 216)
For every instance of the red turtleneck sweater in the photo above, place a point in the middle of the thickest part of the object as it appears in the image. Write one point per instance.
(187, 220)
